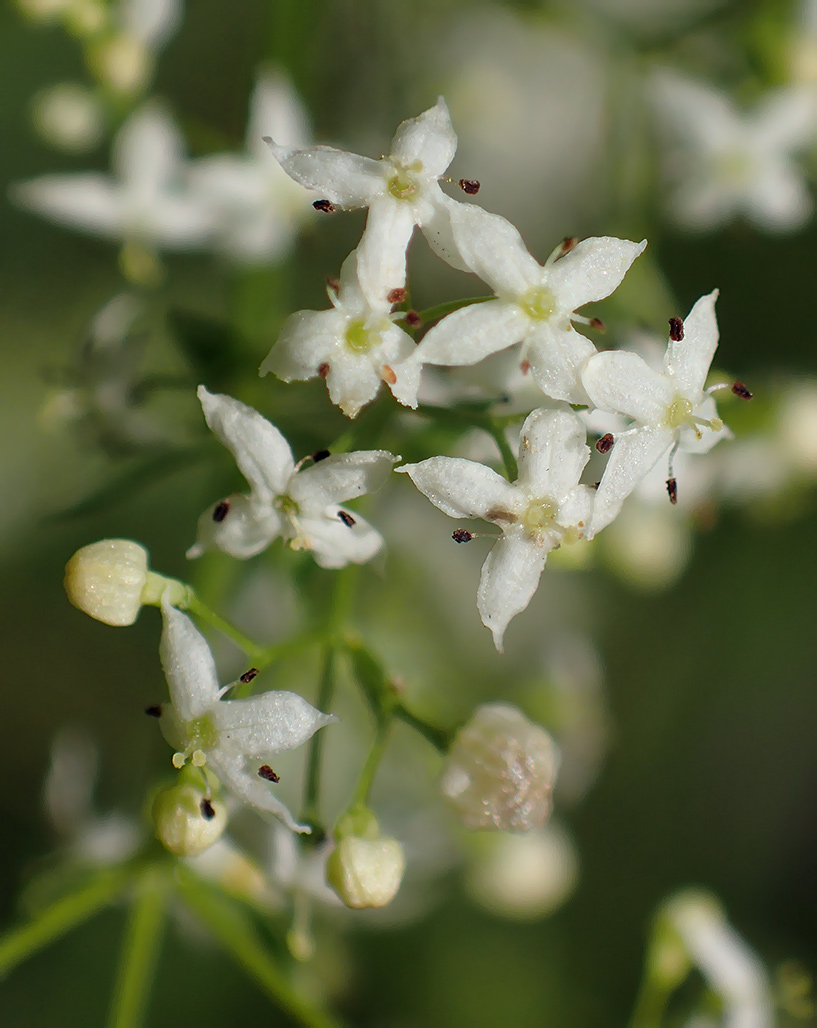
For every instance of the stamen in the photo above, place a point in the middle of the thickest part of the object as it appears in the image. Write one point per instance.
(413, 319)
(248, 675)
(388, 375)
(154, 711)
(598, 325)
(208, 811)
(178, 760)
(672, 490)
(676, 329)
(566, 245)
(739, 389)
(605, 444)
(199, 758)
(462, 535)
(347, 519)
(323, 369)
(266, 772)
(220, 511)
(333, 284)
(524, 367)
(326, 206)
(320, 455)
(396, 296)
(469, 186)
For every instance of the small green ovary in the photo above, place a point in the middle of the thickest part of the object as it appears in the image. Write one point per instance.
(201, 733)
(540, 517)
(403, 184)
(287, 505)
(359, 338)
(679, 413)
(538, 303)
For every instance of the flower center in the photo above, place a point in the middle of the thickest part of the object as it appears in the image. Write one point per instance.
(538, 302)
(679, 415)
(287, 505)
(359, 338)
(734, 167)
(540, 518)
(404, 183)
(201, 735)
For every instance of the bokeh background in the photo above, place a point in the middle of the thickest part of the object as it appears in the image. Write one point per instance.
(703, 733)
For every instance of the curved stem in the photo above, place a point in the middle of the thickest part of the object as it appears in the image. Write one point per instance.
(507, 454)
(439, 738)
(140, 952)
(310, 808)
(201, 610)
(366, 780)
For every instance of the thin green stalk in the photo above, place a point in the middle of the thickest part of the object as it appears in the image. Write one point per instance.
(507, 454)
(195, 605)
(140, 952)
(441, 309)
(367, 775)
(59, 918)
(439, 738)
(310, 809)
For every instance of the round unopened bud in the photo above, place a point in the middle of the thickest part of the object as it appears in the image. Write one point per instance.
(123, 64)
(186, 821)
(365, 868)
(500, 771)
(69, 116)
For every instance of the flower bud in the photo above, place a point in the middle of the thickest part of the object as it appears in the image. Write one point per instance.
(365, 868)
(500, 770)
(68, 116)
(186, 821)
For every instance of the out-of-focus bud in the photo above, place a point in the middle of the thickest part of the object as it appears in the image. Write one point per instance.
(110, 581)
(186, 820)
(500, 771)
(123, 64)
(365, 868)
(43, 10)
(68, 116)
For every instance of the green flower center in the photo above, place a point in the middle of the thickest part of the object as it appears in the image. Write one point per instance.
(679, 412)
(201, 733)
(359, 338)
(404, 185)
(539, 303)
(287, 505)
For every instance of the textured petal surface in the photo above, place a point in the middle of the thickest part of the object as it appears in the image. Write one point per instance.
(381, 253)
(345, 179)
(307, 340)
(243, 781)
(439, 230)
(340, 477)
(687, 360)
(622, 383)
(188, 665)
(352, 382)
(428, 138)
(475, 332)
(552, 453)
(591, 270)
(270, 723)
(509, 579)
(493, 249)
(630, 459)
(247, 529)
(336, 542)
(556, 357)
(462, 488)
(262, 454)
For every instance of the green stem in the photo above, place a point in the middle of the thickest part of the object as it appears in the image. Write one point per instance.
(441, 309)
(310, 809)
(366, 780)
(439, 738)
(195, 606)
(140, 952)
(59, 918)
(650, 1004)
(507, 454)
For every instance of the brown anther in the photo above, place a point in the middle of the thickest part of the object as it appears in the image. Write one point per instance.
(605, 444)
(596, 485)
(323, 369)
(154, 711)
(346, 518)
(248, 675)
(266, 772)
(672, 490)
(326, 206)
(469, 186)
(320, 455)
(388, 375)
(333, 283)
(598, 325)
(208, 811)
(396, 296)
(220, 511)
(568, 244)
(676, 329)
(461, 535)
(739, 389)
(413, 319)
(524, 367)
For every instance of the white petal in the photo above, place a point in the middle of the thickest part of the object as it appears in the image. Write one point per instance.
(308, 339)
(91, 203)
(577, 508)
(428, 138)
(336, 542)
(188, 665)
(340, 477)
(407, 385)
(469, 335)
(493, 249)
(687, 360)
(275, 110)
(704, 201)
(246, 529)
(785, 120)
(243, 781)
(630, 460)
(462, 488)
(345, 179)
(509, 579)
(557, 357)
(151, 21)
(183, 221)
(262, 454)
(779, 199)
(267, 724)
(591, 270)
(352, 381)
(439, 230)
(622, 383)
(552, 453)
(703, 115)
(147, 151)
(381, 253)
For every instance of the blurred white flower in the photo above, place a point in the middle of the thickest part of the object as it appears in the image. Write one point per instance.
(724, 163)
(300, 506)
(68, 116)
(543, 509)
(124, 57)
(258, 206)
(355, 346)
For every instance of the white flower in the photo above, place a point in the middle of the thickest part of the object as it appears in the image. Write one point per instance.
(143, 202)
(355, 346)
(259, 208)
(301, 506)
(235, 739)
(669, 410)
(534, 305)
(124, 58)
(401, 190)
(544, 508)
(725, 163)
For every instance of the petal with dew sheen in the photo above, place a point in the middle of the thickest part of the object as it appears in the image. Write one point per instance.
(270, 723)
(340, 477)
(247, 528)
(336, 540)
(188, 665)
(243, 781)
(556, 357)
(552, 453)
(493, 249)
(473, 333)
(687, 360)
(509, 579)
(592, 270)
(631, 458)
(381, 253)
(622, 383)
(307, 340)
(345, 179)
(464, 489)
(428, 138)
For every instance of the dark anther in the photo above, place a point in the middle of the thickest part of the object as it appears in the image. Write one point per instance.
(469, 186)
(266, 772)
(676, 329)
(605, 444)
(154, 711)
(208, 811)
(333, 283)
(461, 535)
(568, 244)
(396, 296)
(221, 510)
(596, 485)
(324, 205)
(413, 319)
(524, 367)
(249, 675)
(672, 490)
(346, 518)
(739, 389)
(323, 369)
(598, 325)
(320, 455)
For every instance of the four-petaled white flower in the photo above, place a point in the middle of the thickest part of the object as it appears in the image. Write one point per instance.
(258, 207)
(725, 163)
(544, 508)
(300, 506)
(534, 305)
(355, 346)
(401, 191)
(235, 739)
(669, 410)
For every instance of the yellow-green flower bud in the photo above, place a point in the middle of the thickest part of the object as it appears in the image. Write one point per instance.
(186, 821)
(365, 868)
